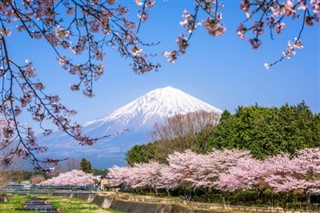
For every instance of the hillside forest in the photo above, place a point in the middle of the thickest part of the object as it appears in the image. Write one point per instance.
(258, 156)
(264, 131)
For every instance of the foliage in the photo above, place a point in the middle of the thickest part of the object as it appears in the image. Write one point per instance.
(99, 171)
(85, 166)
(143, 154)
(267, 131)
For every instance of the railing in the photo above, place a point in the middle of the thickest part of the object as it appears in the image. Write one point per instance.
(21, 189)
(69, 187)
(197, 205)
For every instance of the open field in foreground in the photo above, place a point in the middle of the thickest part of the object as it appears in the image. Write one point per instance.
(63, 204)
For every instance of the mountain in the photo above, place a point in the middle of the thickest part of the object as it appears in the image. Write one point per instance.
(137, 117)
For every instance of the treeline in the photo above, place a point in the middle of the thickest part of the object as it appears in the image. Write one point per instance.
(263, 131)
(231, 174)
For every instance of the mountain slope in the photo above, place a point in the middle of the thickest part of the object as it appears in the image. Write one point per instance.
(138, 117)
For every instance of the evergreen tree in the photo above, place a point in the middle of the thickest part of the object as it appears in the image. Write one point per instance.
(267, 131)
(85, 166)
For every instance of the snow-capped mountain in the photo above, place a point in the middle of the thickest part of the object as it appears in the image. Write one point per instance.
(137, 117)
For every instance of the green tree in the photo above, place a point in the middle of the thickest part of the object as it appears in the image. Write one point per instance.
(140, 154)
(221, 137)
(267, 131)
(85, 166)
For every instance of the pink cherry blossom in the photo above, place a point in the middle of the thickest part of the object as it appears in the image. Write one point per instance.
(72, 178)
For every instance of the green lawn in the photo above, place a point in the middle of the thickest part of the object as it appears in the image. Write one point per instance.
(114, 211)
(73, 205)
(63, 204)
(15, 202)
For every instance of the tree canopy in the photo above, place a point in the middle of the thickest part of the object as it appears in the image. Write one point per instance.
(263, 131)
(268, 131)
(85, 166)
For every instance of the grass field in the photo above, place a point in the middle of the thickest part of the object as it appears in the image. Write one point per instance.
(63, 204)
(15, 202)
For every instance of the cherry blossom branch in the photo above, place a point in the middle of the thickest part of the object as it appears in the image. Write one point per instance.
(212, 24)
(272, 14)
(290, 51)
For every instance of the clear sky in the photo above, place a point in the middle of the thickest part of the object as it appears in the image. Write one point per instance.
(224, 72)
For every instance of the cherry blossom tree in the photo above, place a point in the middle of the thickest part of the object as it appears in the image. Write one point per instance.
(168, 180)
(219, 162)
(87, 28)
(281, 173)
(184, 167)
(179, 173)
(72, 178)
(146, 176)
(286, 174)
(187, 170)
(246, 174)
(118, 175)
(301, 173)
(227, 171)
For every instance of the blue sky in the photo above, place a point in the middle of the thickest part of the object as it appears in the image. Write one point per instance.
(224, 71)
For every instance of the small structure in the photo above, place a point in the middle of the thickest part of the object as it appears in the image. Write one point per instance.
(104, 183)
(38, 204)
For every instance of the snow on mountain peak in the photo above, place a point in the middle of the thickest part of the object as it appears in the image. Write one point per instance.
(138, 117)
(150, 108)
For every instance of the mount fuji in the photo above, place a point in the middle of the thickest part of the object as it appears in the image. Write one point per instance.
(137, 118)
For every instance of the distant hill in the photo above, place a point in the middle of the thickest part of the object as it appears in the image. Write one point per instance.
(137, 117)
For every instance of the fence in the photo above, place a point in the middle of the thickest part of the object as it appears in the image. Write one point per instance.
(201, 206)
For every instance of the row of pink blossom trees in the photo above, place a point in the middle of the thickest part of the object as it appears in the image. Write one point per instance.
(72, 178)
(225, 170)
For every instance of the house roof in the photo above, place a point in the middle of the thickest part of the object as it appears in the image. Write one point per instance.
(103, 176)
